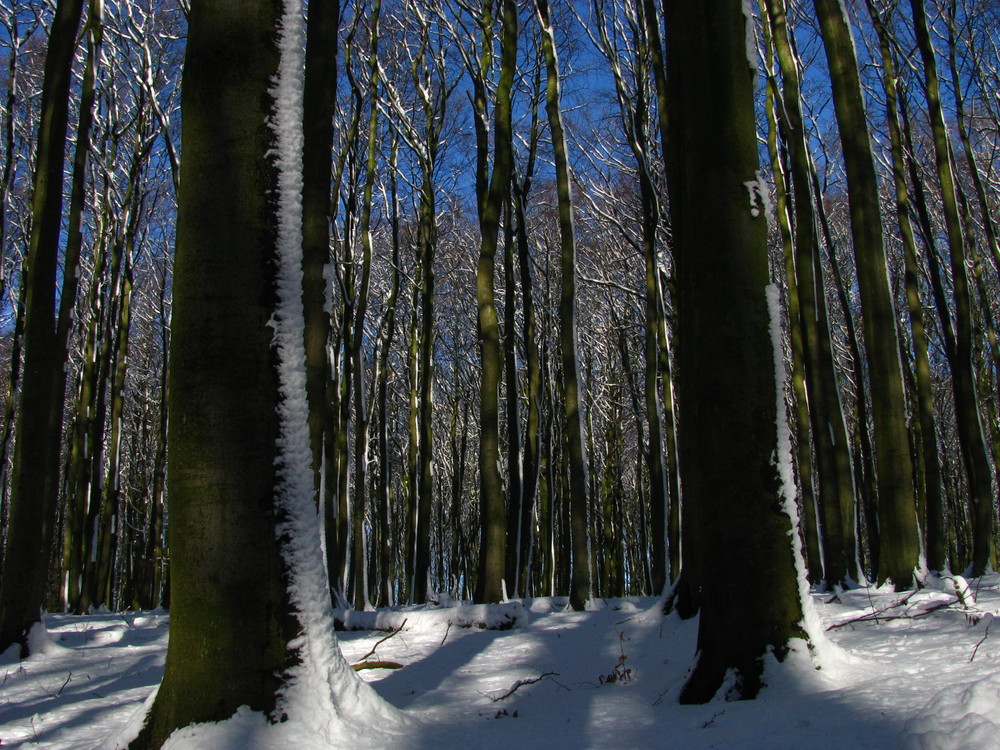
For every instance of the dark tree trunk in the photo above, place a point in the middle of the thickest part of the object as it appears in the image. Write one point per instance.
(35, 478)
(230, 616)
(727, 389)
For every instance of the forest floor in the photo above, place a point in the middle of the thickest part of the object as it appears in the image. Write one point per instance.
(918, 670)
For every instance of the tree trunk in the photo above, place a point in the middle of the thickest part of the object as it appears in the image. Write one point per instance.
(727, 389)
(809, 528)
(935, 544)
(35, 479)
(899, 538)
(580, 586)
(970, 430)
(492, 552)
(829, 432)
(230, 614)
(319, 101)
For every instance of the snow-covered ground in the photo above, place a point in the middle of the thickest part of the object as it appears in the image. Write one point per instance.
(924, 674)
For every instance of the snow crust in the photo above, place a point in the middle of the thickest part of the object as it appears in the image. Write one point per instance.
(491, 616)
(759, 195)
(786, 472)
(751, 36)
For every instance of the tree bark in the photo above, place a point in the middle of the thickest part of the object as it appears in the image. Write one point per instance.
(970, 429)
(899, 538)
(580, 585)
(230, 615)
(727, 389)
(492, 514)
(35, 478)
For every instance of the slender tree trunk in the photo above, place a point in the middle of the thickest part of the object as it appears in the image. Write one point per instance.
(809, 529)
(358, 551)
(580, 587)
(531, 463)
(425, 462)
(829, 432)
(970, 430)
(935, 544)
(492, 561)
(35, 478)
(383, 492)
(899, 538)
(515, 481)
(319, 102)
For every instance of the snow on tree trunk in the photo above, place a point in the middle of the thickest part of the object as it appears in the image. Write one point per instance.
(322, 687)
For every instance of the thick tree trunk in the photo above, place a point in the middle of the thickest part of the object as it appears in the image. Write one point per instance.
(727, 389)
(223, 384)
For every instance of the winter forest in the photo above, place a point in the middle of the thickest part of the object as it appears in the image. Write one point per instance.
(310, 309)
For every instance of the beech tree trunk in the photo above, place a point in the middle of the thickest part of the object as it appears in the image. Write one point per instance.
(727, 391)
(897, 519)
(38, 434)
(230, 616)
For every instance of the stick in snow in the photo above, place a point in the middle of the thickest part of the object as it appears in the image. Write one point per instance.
(520, 684)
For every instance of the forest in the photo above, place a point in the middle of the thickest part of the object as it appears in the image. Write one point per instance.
(593, 299)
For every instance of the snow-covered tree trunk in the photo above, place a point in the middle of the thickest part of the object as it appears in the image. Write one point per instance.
(251, 618)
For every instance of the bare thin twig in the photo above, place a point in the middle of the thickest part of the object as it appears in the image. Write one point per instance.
(981, 641)
(520, 684)
(380, 641)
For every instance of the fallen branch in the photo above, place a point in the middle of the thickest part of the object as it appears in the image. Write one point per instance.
(376, 665)
(520, 684)
(364, 663)
(876, 616)
(380, 641)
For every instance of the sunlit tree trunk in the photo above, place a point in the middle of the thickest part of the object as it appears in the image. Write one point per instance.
(359, 572)
(829, 433)
(492, 552)
(935, 541)
(897, 521)
(970, 430)
(803, 445)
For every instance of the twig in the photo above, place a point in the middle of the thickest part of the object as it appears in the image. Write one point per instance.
(981, 641)
(520, 684)
(711, 721)
(446, 631)
(68, 678)
(380, 641)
